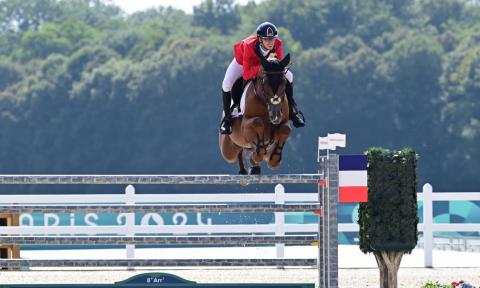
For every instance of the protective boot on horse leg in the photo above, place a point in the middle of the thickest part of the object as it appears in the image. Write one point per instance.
(282, 135)
(295, 115)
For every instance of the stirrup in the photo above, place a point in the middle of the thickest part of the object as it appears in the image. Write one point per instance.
(226, 126)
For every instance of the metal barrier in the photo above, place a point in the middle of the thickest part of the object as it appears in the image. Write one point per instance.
(325, 231)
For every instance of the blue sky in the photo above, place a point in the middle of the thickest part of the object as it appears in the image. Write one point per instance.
(131, 6)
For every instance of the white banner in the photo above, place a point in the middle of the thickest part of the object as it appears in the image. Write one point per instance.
(332, 141)
(323, 143)
(337, 139)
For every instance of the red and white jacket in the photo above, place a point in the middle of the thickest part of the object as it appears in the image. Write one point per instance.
(246, 56)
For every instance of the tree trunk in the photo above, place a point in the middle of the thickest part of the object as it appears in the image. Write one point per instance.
(388, 262)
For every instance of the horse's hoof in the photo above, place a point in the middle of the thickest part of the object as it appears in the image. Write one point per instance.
(242, 172)
(254, 170)
(274, 166)
(274, 163)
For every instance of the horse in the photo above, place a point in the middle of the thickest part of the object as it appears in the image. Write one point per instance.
(261, 133)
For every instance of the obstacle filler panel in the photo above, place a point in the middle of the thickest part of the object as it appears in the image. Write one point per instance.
(164, 280)
(9, 250)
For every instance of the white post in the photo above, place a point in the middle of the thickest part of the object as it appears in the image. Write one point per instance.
(130, 220)
(428, 225)
(280, 219)
(321, 192)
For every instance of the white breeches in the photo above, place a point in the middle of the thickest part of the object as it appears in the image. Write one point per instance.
(235, 71)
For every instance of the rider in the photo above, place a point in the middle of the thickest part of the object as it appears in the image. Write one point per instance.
(247, 63)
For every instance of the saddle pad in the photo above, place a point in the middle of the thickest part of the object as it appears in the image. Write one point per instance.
(235, 112)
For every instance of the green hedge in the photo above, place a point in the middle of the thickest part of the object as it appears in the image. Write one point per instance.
(388, 221)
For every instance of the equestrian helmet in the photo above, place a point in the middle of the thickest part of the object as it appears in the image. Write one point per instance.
(267, 30)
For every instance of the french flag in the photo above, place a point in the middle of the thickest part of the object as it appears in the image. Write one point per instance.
(353, 186)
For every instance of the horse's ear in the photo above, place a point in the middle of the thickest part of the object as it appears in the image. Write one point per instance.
(265, 62)
(285, 61)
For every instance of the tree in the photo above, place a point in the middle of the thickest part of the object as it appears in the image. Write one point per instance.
(56, 38)
(25, 15)
(11, 73)
(413, 67)
(341, 82)
(372, 27)
(95, 13)
(88, 58)
(388, 221)
(459, 106)
(219, 14)
(399, 8)
(440, 12)
(45, 42)
(314, 28)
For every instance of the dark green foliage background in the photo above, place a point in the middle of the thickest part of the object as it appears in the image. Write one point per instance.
(86, 88)
(388, 221)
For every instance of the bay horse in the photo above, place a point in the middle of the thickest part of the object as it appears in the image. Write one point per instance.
(260, 134)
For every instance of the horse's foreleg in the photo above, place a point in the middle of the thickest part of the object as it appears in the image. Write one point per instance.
(253, 129)
(241, 166)
(281, 134)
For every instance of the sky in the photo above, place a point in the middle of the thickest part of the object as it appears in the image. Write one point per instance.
(131, 6)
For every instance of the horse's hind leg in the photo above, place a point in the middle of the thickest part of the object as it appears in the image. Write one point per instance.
(282, 134)
(229, 149)
(241, 166)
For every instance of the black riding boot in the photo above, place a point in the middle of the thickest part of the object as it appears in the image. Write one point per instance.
(226, 125)
(298, 120)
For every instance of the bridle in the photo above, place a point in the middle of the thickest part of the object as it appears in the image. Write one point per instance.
(275, 100)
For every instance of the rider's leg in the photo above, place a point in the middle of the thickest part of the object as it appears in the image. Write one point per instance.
(237, 91)
(294, 113)
(234, 71)
(226, 124)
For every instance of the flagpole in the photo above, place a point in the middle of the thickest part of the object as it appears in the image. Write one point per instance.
(318, 154)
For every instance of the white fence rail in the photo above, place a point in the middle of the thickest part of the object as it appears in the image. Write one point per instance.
(130, 229)
(428, 227)
(427, 196)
